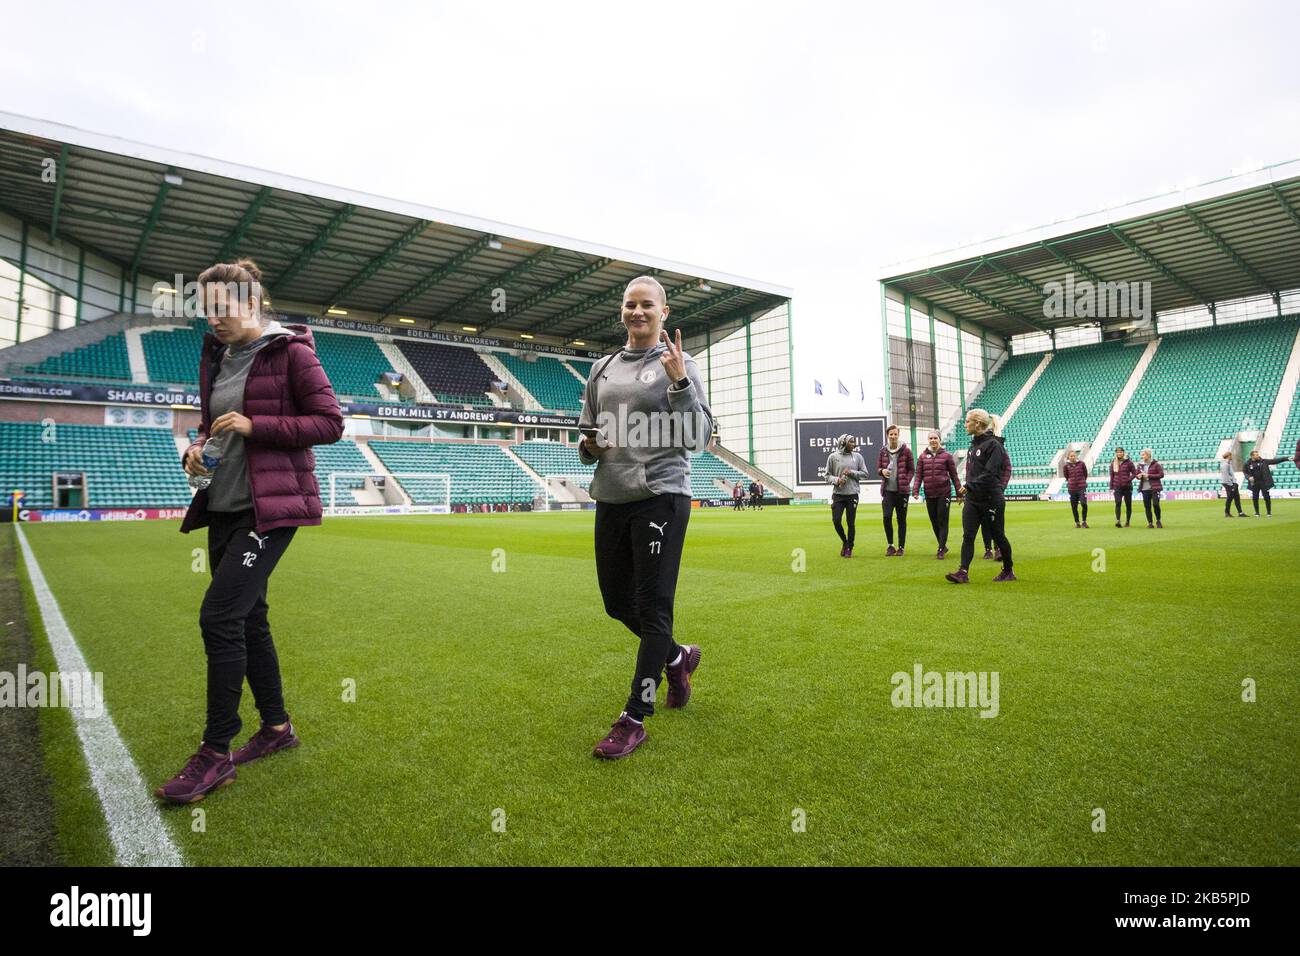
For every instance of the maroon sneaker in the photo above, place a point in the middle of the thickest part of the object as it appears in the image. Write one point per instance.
(848, 552)
(939, 554)
(624, 737)
(1077, 525)
(997, 554)
(898, 553)
(206, 771)
(943, 552)
(844, 551)
(1150, 525)
(265, 742)
(679, 677)
(958, 577)
(890, 552)
(1085, 524)
(988, 555)
(1159, 525)
(1006, 575)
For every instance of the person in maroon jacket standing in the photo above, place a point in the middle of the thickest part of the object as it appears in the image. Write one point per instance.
(936, 471)
(1076, 482)
(896, 466)
(265, 402)
(1150, 474)
(1122, 473)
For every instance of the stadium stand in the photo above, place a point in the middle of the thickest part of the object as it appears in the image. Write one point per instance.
(551, 458)
(353, 363)
(1204, 386)
(1000, 390)
(1068, 403)
(340, 456)
(548, 381)
(455, 375)
(124, 467)
(105, 360)
(480, 474)
(172, 355)
(706, 469)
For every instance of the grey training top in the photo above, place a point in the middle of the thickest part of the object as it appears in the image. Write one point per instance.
(891, 483)
(1226, 475)
(851, 465)
(652, 425)
(229, 490)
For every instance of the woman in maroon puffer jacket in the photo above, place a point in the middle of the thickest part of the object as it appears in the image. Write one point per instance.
(265, 401)
(1076, 483)
(936, 471)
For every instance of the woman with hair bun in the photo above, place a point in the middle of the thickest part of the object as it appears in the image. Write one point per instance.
(265, 401)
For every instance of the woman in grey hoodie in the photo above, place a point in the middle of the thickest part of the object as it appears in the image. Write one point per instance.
(643, 413)
(844, 469)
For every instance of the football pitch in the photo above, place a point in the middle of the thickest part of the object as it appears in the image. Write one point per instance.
(449, 676)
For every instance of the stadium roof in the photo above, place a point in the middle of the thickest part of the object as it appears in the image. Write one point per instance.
(156, 212)
(1233, 238)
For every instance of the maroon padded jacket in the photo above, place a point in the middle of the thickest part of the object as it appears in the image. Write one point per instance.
(937, 473)
(906, 466)
(1076, 475)
(292, 407)
(1122, 477)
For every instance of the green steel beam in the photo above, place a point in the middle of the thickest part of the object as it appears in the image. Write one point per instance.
(1156, 264)
(22, 279)
(693, 327)
(708, 360)
(438, 273)
(1025, 283)
(934, 363)
(59, 171)
(236, 235)
(961, 366)
(309, 251)
(555, 288)
(1286, 206)
(789, 341)
(484, 289)
(81, 280)
(155, 213)
(987, 300)
(1231, 253)
(749, 385)
(908, 344)
(884, 337)
(378, 262)
(1074, 264)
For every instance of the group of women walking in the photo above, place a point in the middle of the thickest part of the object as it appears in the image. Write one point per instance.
(981, 493)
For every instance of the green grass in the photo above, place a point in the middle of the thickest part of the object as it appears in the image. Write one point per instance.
(480, 690)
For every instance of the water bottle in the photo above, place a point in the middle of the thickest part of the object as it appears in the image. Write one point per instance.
(211, 458)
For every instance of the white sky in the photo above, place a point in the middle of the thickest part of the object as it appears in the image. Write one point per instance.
(808, 145)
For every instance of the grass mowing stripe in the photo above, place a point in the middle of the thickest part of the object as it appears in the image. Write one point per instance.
(135, 827)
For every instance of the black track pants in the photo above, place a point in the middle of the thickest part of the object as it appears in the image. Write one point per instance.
(233, 621)
(845, 506)
(988, 516)
(938, 510)
(638, 554)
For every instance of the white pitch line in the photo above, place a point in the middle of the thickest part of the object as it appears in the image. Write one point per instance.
(139, 835)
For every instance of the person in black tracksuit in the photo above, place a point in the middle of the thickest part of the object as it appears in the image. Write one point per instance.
(983, 501)
(1260, 479)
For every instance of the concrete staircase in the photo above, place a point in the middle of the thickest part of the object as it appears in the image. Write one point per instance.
(515, 390)
(1121, 403)
(1024, 389)
(400, 363)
